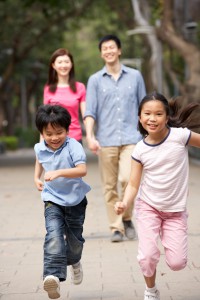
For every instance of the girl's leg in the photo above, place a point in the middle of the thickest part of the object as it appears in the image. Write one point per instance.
(150, 281)
(148, 226)
(55, 259)
(174, 239)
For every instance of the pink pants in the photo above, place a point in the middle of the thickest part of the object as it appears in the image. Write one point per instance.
(171, 227)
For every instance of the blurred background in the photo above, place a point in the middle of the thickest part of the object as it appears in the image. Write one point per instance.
(161, 38)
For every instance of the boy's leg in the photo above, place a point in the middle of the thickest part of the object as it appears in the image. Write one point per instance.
(174, 239)
(74, 220)
(55, 259)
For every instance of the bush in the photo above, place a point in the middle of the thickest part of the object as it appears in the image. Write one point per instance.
(27, 137)
(10, 142)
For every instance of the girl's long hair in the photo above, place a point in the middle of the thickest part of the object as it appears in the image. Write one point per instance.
(187, 116)
(53, 78)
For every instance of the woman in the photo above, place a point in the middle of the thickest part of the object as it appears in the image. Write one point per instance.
(62, 89)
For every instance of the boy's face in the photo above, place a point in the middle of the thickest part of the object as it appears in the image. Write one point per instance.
(54, 136)
(110, 53)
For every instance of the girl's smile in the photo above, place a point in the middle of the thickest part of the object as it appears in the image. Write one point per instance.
(153, 119)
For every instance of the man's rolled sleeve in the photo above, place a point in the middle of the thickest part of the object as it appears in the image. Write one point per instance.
(91, 98)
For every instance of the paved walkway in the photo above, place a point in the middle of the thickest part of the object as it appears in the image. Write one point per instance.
(111, 270)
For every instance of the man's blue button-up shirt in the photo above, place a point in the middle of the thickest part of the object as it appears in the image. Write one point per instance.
(114, 106)
(63, 191)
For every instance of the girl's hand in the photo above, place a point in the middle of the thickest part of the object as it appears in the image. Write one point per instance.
(120, 207)
(39, 184)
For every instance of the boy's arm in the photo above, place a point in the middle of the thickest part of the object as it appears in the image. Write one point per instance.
(37, 175)
(131, 189)
(78, 171)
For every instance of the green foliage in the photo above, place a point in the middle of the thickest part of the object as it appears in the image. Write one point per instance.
(10, 142)
(27, 137)
(156, 10)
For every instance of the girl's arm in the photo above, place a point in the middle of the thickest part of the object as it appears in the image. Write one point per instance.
(37, 175)
(131, 189)
(194, 139)
(77, 171)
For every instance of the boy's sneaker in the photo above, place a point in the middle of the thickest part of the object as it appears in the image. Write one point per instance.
(76, 273)
(151, 295)
(51, 285)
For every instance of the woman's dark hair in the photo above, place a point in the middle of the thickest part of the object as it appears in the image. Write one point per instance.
(179, 116)
(52, 114)
(53, 78)
(110, 37)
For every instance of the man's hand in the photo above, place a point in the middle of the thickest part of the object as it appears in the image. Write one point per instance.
(120, 207)
(93, 145)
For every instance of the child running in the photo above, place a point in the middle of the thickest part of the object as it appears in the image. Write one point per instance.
(162, 158)
(63, 161)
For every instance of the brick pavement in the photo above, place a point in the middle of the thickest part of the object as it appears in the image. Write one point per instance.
(111, 270)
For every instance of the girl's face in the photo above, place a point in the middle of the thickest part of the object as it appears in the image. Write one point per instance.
(62, 65)
(54, 136)
(110, 52)
(153, 117)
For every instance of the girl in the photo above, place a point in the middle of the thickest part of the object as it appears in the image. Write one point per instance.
(162, 156)
(62, 89)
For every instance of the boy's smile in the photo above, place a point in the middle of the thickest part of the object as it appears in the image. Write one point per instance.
(54, 136)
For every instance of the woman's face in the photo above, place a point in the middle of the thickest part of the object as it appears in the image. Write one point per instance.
(62, 65)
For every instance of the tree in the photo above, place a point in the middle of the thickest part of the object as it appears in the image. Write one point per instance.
(176, 48)
(29, 27)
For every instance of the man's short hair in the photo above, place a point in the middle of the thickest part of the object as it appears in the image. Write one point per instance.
(110, 37)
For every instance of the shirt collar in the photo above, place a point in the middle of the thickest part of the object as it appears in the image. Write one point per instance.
(124, 69)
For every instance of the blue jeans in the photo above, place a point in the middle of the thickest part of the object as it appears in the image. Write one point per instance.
(63, 243)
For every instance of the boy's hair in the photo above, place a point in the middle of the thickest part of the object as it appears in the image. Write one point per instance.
(177, 116)
(110, 37)
(52, 114)
(53, 78)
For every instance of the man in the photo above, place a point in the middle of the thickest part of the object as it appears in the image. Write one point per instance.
(112, 100)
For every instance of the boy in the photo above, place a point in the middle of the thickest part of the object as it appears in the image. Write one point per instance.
(64, 163)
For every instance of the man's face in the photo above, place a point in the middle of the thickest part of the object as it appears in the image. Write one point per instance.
(110, 53)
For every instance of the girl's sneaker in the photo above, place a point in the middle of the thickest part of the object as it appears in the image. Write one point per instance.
(76, 273)
(51, 285)
(151, 295)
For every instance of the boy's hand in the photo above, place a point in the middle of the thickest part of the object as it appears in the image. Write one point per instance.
(51, 175)
(120, 207)
(39, 184)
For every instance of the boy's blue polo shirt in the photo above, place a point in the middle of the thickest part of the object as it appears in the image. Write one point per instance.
(63, 191)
